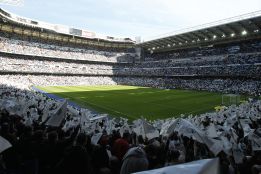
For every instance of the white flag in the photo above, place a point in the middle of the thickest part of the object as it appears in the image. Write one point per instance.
(95, 138)
(58, 115)
(4, 144)
(211, 131)
(238, 154)
(256, 142)
(150, 131)
(216, 147)
(186, 128)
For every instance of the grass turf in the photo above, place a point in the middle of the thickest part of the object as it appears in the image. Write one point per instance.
(133, 102)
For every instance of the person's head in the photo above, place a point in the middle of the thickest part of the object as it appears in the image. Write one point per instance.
(5, 128)
(38, 135)
(126, 136)
(61, 134)
(257, 156)
(28, 130)
(104, 140)
(88, 140)
(52, 136)
(151, 152)
(175, 136)
(81, 139)
(140, 139)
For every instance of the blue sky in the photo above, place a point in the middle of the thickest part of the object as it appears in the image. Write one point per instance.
(130, 18)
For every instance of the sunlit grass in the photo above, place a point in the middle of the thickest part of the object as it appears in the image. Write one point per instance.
(133, 102)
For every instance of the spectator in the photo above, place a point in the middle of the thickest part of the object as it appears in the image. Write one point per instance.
(134, 160)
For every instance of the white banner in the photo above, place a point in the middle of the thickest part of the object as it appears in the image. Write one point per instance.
(206, 166)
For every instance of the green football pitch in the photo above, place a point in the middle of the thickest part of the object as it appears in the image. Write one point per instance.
(133, 102)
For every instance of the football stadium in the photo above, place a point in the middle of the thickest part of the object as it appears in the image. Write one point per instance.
(74, 101)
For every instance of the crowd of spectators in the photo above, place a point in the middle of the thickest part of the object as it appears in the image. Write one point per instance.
(17, 46)
(232, 66)
(26, 81)
(210, 50)
(162, 74)
(84, 144)
(245, 86)
(229, 72)
(222, 59)
(240, 64)
(116, 146)
(40, 66)
(250, 87)
(215, 69)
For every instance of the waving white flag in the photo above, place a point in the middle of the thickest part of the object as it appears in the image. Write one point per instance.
(58, 115)
(150, 131)
(4, 144)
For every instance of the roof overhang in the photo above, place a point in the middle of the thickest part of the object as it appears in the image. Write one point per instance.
(242, 27)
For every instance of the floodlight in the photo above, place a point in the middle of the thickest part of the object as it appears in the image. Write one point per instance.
(244, 32)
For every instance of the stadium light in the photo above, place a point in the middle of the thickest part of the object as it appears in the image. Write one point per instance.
(214, 37)
(232, 34)
(244, 32)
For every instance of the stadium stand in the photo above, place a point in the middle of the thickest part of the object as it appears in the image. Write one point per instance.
(42, 135)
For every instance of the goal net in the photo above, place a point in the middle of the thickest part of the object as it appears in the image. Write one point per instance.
(230, 99)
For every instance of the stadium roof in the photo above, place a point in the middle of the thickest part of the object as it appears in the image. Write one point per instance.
(242, 27)
(59, 29)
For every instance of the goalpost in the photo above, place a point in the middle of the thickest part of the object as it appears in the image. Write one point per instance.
(230, 99)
